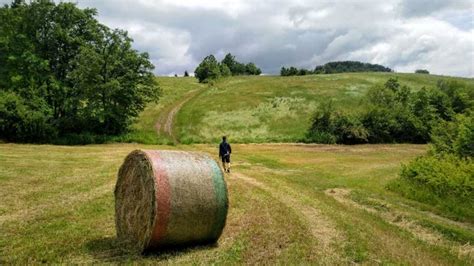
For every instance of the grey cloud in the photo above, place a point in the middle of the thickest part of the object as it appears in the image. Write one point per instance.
(401, 34)
(416, 8)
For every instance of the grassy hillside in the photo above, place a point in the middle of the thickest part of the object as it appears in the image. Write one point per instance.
(276, 109)
(289, 203)
(145, 130)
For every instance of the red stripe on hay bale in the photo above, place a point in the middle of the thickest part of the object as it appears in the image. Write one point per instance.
(162, 196)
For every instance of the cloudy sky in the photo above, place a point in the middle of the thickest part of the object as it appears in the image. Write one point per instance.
(404, 35)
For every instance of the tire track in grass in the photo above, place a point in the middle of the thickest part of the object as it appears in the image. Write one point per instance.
(165, 122)
(406, 221)
(322, 229)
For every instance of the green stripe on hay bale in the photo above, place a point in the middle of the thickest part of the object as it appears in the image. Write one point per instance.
(169, 198)
(220, 189)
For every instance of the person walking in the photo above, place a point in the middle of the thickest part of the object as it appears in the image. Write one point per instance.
(224, 153)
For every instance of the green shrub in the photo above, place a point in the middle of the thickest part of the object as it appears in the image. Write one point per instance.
(349, 129)
(393, 113)
(330, 126)
(22, 120)
(445, 176)
(454, 137)
(380, 124)
(464, 143)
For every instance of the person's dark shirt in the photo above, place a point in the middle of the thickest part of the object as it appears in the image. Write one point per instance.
(224, 149)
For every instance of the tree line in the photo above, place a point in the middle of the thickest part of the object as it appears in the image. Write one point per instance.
(62, 72)
(335, 67)
(210, 69)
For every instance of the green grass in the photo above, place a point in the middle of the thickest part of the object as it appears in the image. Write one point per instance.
(57, 207)
(276, 109)
(289, 203)
(144, 130)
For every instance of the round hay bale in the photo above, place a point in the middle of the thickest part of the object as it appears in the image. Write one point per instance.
(169, 198)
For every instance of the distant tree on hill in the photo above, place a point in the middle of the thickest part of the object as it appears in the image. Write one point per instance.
(293, 71)
(349, 66)
(208, 69)
(225, 71)
(422, 71)
(237, 68)
(186, 74)
(229, 61)
(303, 72)
(252, 69)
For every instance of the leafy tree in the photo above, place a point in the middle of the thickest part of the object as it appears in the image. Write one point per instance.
(303, 72)
(208, 69)
(25, 120)
(186, 74)
(380, 124)
(381, 96)
(454, 137)
(443, 137)
(422, 71)
(58, 63)
(229, 61)
(252, 69)
(330, 126)
(237, 68)
(293, 71)
(117, 84)
(461, 96)
(349, 66)
(225, 71)
(403, 95)
(464, 143)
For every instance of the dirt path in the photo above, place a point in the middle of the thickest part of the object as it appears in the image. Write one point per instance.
(165, 122)
(322, 229)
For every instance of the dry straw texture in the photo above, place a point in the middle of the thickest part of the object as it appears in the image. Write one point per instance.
(169, 198)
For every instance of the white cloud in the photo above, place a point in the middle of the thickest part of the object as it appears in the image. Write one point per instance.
(168, 47)
(402, 34)
(424, 43)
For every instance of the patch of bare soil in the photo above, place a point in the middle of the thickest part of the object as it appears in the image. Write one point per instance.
(165, 121)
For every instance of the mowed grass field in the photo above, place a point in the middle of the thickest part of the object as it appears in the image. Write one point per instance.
(289, 203)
